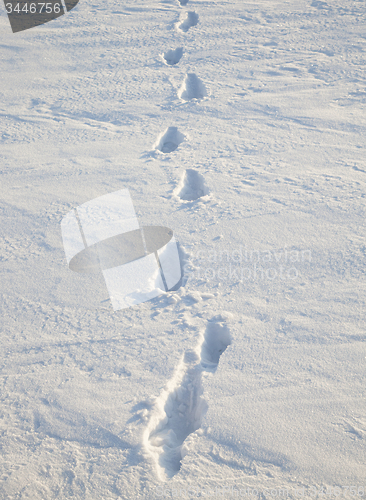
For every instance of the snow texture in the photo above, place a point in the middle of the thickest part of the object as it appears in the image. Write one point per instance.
(240, 126)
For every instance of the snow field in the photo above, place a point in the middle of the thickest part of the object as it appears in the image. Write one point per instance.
(251, 136)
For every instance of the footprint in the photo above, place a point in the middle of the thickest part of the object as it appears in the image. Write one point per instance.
(192, 88)
(169, 140)
(192, 186)
(183, 2)
(180, 408)
(190, 20)
(217, 338)
(172, 57)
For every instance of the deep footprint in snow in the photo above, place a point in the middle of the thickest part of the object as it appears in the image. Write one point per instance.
(172, 57)
(182, 407)
(183, 2)
(192, 88)
(169, 140)
(216, 339)
(190, 20)
(192, 186)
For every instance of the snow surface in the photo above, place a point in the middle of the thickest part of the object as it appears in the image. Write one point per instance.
(241, 126)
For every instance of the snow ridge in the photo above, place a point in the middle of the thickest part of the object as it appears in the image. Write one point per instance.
(180, 409)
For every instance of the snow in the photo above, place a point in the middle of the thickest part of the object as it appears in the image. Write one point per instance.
(240, 126)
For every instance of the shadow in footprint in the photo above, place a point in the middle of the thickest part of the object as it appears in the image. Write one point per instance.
(190, 20)
(169, 140)
(192, 88)
(172, 57)
(183, 2)
(192, 186)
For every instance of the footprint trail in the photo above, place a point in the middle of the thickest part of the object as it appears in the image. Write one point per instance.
(180, 408)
